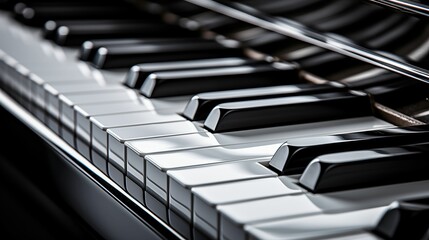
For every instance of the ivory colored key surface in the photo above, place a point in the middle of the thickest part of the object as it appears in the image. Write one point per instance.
(207, 198)
(138, 149)
(181, 181)
(235, 217)
(319, 226)
(99, 125)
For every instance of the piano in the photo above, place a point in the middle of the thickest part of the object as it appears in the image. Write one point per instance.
(212, 119)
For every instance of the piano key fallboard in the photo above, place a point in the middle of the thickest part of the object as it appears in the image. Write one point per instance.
(227, 120)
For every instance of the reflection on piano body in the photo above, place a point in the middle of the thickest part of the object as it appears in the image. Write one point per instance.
(298, 119)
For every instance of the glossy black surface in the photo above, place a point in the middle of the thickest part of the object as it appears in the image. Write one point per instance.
(406, 219)
(366, 168)
(38, 15)
(128, 55)
(295, 154)
(138, 73)
(190, 82)
(287, 110)
(89, 48)
(50, 28)
(31, 207)
(76, 34)
(201, 104)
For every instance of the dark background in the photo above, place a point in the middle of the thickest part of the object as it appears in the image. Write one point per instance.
(30, 207)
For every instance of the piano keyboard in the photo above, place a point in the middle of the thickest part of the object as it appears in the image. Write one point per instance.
(218, 129)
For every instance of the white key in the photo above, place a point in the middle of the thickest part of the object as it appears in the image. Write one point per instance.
(207, 198)
(83, 112)
(175, 152)
(182, 181)
(99, 125)
(234, 217)
(317, 226)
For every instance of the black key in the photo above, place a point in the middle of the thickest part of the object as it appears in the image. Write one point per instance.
(39, 15)
(128, 55)
(200, 105)
(76, 34)
(295, 154)
(287, 110)
(191, 82)
(138, 73)
(90, 47)
(405, 219)
(50, 28)
(366, 168)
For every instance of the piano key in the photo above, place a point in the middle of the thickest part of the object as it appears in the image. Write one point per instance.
(235, 217)
(76, 34)
(149, 160)
(319, 226)
(138, 73)
(99, 125)
(355, 169)
(82, 124)
(287, 110)
(182, 180)
(405, 219)
(207, 198)
(68, 101)
(201, 104)
(38, 15)
(50, 27)
(128, 55)
(14, 78)
(356, 235)
(83, 112)
(53, 102)
(39, 93)
(128, 185)
(188, 82)
(296, 153)
(32, 87)
(117, 136)
(89, 48)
